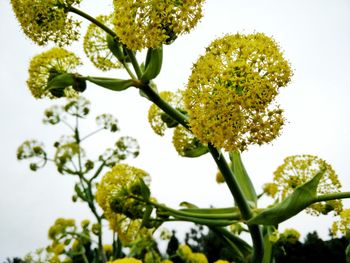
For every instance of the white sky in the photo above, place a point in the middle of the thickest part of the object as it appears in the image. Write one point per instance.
(315, 36)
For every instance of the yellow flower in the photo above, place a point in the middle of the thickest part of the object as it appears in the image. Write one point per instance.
(271, 189)
(184, 141)
(197, 258)
(150, 23)
(184, 251)
(60, 226)
(221, 261)
(57, 248)
(343, 225)
(219, 177)
(156, 117)
(46, 65)
(108, 248)
(126, 260)
(48, 20)
(297, 170)
(114, 184)
(290, 235)
(231, 91)
(85, 223)
(96, 48)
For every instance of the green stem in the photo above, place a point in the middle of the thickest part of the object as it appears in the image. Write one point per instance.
(213, 210)
(92, 20)
(98, 171)
(245, 247)
(166, 107)
(231, 182)
(91, 133)
(332, 196)
(126, 66)
(134, 63)
(241, 202)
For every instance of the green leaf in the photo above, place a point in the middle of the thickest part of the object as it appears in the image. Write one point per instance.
(145, 191)
(242, 177)
(241, 248)
(303, 196)
(153, 65)
(347, 254)
(61, 81)
(112, 84)
(196, 152)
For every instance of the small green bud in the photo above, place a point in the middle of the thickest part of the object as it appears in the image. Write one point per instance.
(74, 198)
(96, 229)
(33, 166)
(89, 165)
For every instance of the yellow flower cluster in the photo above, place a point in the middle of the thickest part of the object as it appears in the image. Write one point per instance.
(186, 254)
(126, 260)
(45, 21)
(297, 170)
(231, 90)
(184, 141)
(46, 65)
(271, 189)
(150, 23)
(343, 225)
(290, 236)
(96, 48)
(156, 115)
(114, 184)
(60, 226)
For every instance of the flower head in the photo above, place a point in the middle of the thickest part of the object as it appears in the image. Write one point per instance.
(96, 47)
(46, 66)
(231, 90)
(297, 170)
(343, 225)
(271, 189)
(159, 120)
(114, 187)
(290, 236)
(186, 144)
(149, 23)
(48, 20)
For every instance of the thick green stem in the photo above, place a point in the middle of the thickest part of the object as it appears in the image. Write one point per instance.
(210, 217)
(332, 196)
(241, 202)
(166, 107)
(231, 182)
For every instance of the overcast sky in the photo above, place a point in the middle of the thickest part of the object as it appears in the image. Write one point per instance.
(314, 35)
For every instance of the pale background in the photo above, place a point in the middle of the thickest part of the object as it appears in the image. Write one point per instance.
(315, 36)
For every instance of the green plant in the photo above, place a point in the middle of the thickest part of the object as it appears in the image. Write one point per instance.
(229, 104)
